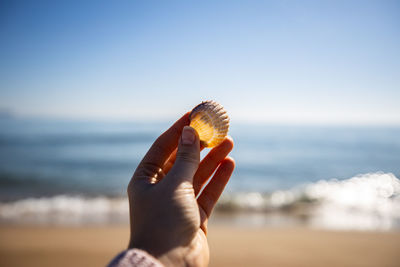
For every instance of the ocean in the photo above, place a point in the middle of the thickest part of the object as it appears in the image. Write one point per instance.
(76, 172)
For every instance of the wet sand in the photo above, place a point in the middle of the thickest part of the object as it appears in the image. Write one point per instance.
(230, 246)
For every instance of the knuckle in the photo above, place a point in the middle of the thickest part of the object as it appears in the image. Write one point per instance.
(157, 147)
(187, 157)
(210, 197)
(213, 158)
(176, 130)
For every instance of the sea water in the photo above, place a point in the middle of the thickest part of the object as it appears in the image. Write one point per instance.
(340, 177)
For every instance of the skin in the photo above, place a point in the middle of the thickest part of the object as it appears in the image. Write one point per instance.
(168, 214)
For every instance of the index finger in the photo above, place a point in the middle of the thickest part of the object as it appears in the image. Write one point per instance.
(165, 144)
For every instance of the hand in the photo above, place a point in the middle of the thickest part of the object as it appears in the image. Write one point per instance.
(167, 212)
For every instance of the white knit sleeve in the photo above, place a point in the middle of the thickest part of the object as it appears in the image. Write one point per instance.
(134, 257)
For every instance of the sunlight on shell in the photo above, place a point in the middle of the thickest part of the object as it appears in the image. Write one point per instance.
(211, 122)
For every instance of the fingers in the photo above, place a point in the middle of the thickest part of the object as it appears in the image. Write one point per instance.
(211, 193)
(210, 163)
(149, 169)
(171, 160)
(165, 144)
(187, 157)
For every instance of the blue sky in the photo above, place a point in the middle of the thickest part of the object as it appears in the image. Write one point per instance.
(330, 62)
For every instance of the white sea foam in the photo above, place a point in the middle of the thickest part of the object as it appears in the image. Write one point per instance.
(365, 202)
(66, 210)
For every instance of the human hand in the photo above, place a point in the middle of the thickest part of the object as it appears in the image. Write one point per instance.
(167, 212)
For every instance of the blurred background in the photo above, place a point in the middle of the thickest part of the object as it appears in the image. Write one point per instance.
(312, 89)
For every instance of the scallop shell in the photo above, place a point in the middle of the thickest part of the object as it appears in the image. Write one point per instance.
(211, 122)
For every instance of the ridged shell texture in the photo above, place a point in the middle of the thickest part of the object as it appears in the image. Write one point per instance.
(211, 122)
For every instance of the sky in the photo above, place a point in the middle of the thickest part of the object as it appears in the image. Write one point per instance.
(302, 62)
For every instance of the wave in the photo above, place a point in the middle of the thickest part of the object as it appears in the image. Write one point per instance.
(365, 202)
(65, 210)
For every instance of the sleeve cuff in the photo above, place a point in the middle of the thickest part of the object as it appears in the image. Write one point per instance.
(134, 257)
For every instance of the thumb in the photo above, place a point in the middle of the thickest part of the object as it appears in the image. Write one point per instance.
(188, 156)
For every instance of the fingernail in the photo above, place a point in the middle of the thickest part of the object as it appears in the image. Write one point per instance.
(188, 136)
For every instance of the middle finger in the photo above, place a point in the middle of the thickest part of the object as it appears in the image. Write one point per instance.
(210, 163)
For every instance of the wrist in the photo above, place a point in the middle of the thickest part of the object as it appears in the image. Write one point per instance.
(171, 258)
(168, 257)
(175, 257)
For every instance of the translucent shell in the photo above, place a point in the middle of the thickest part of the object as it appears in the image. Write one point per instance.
(211, 122)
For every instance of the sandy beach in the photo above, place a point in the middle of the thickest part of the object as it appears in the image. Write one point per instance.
(230, 246)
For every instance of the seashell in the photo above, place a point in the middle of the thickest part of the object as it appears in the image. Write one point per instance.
(211, 122)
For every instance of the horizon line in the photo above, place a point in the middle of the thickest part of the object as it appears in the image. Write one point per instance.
(165, 119)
